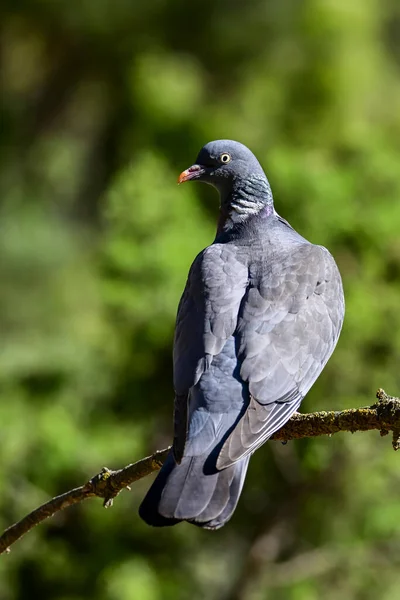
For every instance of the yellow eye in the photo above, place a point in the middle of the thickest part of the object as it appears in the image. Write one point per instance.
(225, 158)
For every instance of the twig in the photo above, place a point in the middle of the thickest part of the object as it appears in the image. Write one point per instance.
(383, 416)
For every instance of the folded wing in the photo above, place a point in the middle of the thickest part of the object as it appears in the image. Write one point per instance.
(288, 326)
(207, 318)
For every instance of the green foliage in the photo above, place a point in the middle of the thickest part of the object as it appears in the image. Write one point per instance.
(104, 103)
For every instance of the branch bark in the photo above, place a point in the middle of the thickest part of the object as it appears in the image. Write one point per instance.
(384, 416)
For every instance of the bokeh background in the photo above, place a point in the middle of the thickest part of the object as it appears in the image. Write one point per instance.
(103, 104)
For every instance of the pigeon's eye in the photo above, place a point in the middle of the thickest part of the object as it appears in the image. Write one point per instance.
(225, 158)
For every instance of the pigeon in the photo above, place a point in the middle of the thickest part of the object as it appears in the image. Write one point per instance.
(260, 315)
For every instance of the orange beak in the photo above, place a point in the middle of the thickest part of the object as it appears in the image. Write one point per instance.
(193, 172)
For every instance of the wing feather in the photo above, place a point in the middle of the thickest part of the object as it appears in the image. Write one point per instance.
(288, 327)
(207, 318)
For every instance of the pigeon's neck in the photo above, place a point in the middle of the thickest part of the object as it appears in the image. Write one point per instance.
(245, 198)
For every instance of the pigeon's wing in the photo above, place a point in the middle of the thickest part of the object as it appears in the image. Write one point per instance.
(207, 317)
(288, 327)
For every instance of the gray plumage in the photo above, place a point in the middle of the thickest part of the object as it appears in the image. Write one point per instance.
(259, 317)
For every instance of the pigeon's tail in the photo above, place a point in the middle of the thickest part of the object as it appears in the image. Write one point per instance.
(185, 492)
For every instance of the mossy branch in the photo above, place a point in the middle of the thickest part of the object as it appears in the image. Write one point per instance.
(384, 416)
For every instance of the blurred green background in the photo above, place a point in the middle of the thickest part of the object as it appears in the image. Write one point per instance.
(103, 104)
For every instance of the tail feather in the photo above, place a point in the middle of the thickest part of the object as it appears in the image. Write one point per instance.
(148, 508)
(234, 494)
(185, 492)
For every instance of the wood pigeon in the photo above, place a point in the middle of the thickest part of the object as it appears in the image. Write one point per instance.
(259, 317)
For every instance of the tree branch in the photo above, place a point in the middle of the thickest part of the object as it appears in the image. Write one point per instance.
(384, 416)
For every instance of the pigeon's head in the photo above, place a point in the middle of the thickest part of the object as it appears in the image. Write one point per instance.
(221, 163)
